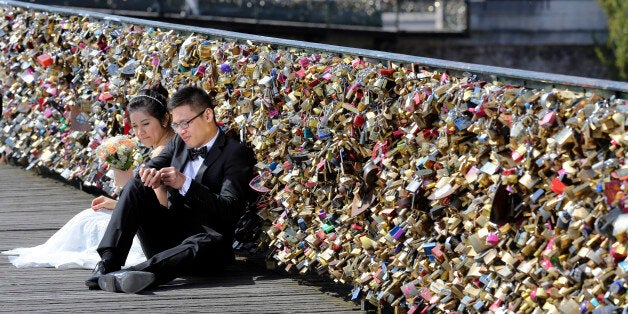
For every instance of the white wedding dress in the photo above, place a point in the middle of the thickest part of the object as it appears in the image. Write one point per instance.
(74, 245)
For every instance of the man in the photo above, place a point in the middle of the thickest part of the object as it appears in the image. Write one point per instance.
(206, 174)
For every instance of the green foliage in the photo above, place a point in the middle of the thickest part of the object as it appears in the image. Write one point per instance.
(615, 53)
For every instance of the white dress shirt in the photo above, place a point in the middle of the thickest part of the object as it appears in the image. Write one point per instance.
(192, 166)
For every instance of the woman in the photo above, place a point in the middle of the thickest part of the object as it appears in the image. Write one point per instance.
(74, 245)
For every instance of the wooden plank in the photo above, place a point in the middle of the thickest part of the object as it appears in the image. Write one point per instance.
(32, 208)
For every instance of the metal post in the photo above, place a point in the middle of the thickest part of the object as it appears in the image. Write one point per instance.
(439, 13)
(396, 8)
(191, 6)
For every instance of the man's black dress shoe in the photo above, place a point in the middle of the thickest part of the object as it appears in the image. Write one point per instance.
(103, 267)
(127, 281)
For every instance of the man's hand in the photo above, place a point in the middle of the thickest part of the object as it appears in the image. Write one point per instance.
(103, 202)
(171, 177)
(150, 177)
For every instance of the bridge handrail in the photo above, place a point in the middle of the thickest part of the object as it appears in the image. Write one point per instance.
(524, 78)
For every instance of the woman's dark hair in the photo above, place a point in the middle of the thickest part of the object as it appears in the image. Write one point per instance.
(193, 96)
(154, 100)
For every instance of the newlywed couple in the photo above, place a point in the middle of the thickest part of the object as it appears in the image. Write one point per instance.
(183, 204)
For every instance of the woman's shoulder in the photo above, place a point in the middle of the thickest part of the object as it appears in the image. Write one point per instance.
(155, 152)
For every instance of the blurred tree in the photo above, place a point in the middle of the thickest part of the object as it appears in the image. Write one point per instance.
(615, 53)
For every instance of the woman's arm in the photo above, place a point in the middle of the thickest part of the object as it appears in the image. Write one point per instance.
(103, 202)
(123, 177)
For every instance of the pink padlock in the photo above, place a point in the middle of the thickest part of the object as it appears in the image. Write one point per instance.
(52, 91)
(304, 63)
(492, 239)
(200, 71)
(418, 98)
(548, 119)
(409, 107)
(533, 295)
(398, 133)
(105, 96)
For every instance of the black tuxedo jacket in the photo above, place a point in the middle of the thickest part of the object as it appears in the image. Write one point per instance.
(220, 191)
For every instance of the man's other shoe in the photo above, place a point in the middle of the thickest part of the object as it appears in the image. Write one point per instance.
(103, 267)
(127, 281)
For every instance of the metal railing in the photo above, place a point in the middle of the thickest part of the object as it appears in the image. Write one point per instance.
(524, 78)
(386, 15)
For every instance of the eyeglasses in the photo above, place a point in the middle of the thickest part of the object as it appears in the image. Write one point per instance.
(185, 124)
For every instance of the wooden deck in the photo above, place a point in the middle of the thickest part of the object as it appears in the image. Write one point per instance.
(33, 207)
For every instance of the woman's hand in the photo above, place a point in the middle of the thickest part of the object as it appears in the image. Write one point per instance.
(171, 177)
(103, 202)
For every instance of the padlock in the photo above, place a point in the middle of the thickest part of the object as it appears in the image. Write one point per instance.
(45, 60)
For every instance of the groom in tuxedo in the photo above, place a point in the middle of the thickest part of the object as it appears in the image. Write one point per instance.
(206, 175)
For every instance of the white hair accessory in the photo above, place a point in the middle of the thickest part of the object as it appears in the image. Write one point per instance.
(151, 97)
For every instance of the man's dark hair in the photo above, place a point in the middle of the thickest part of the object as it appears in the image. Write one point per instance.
(193, 96)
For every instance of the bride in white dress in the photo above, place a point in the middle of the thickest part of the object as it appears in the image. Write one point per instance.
(74, 245)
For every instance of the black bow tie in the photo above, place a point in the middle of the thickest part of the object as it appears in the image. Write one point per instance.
(197, 152)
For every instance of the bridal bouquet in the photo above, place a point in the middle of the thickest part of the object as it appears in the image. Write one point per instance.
(118, 151)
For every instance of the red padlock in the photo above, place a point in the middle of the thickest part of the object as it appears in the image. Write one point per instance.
(314, 83)
(557, 186)
(356, 227)
(359, 120)
(127, 122)
(386, 72)
(45, 60)
(359, 93)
